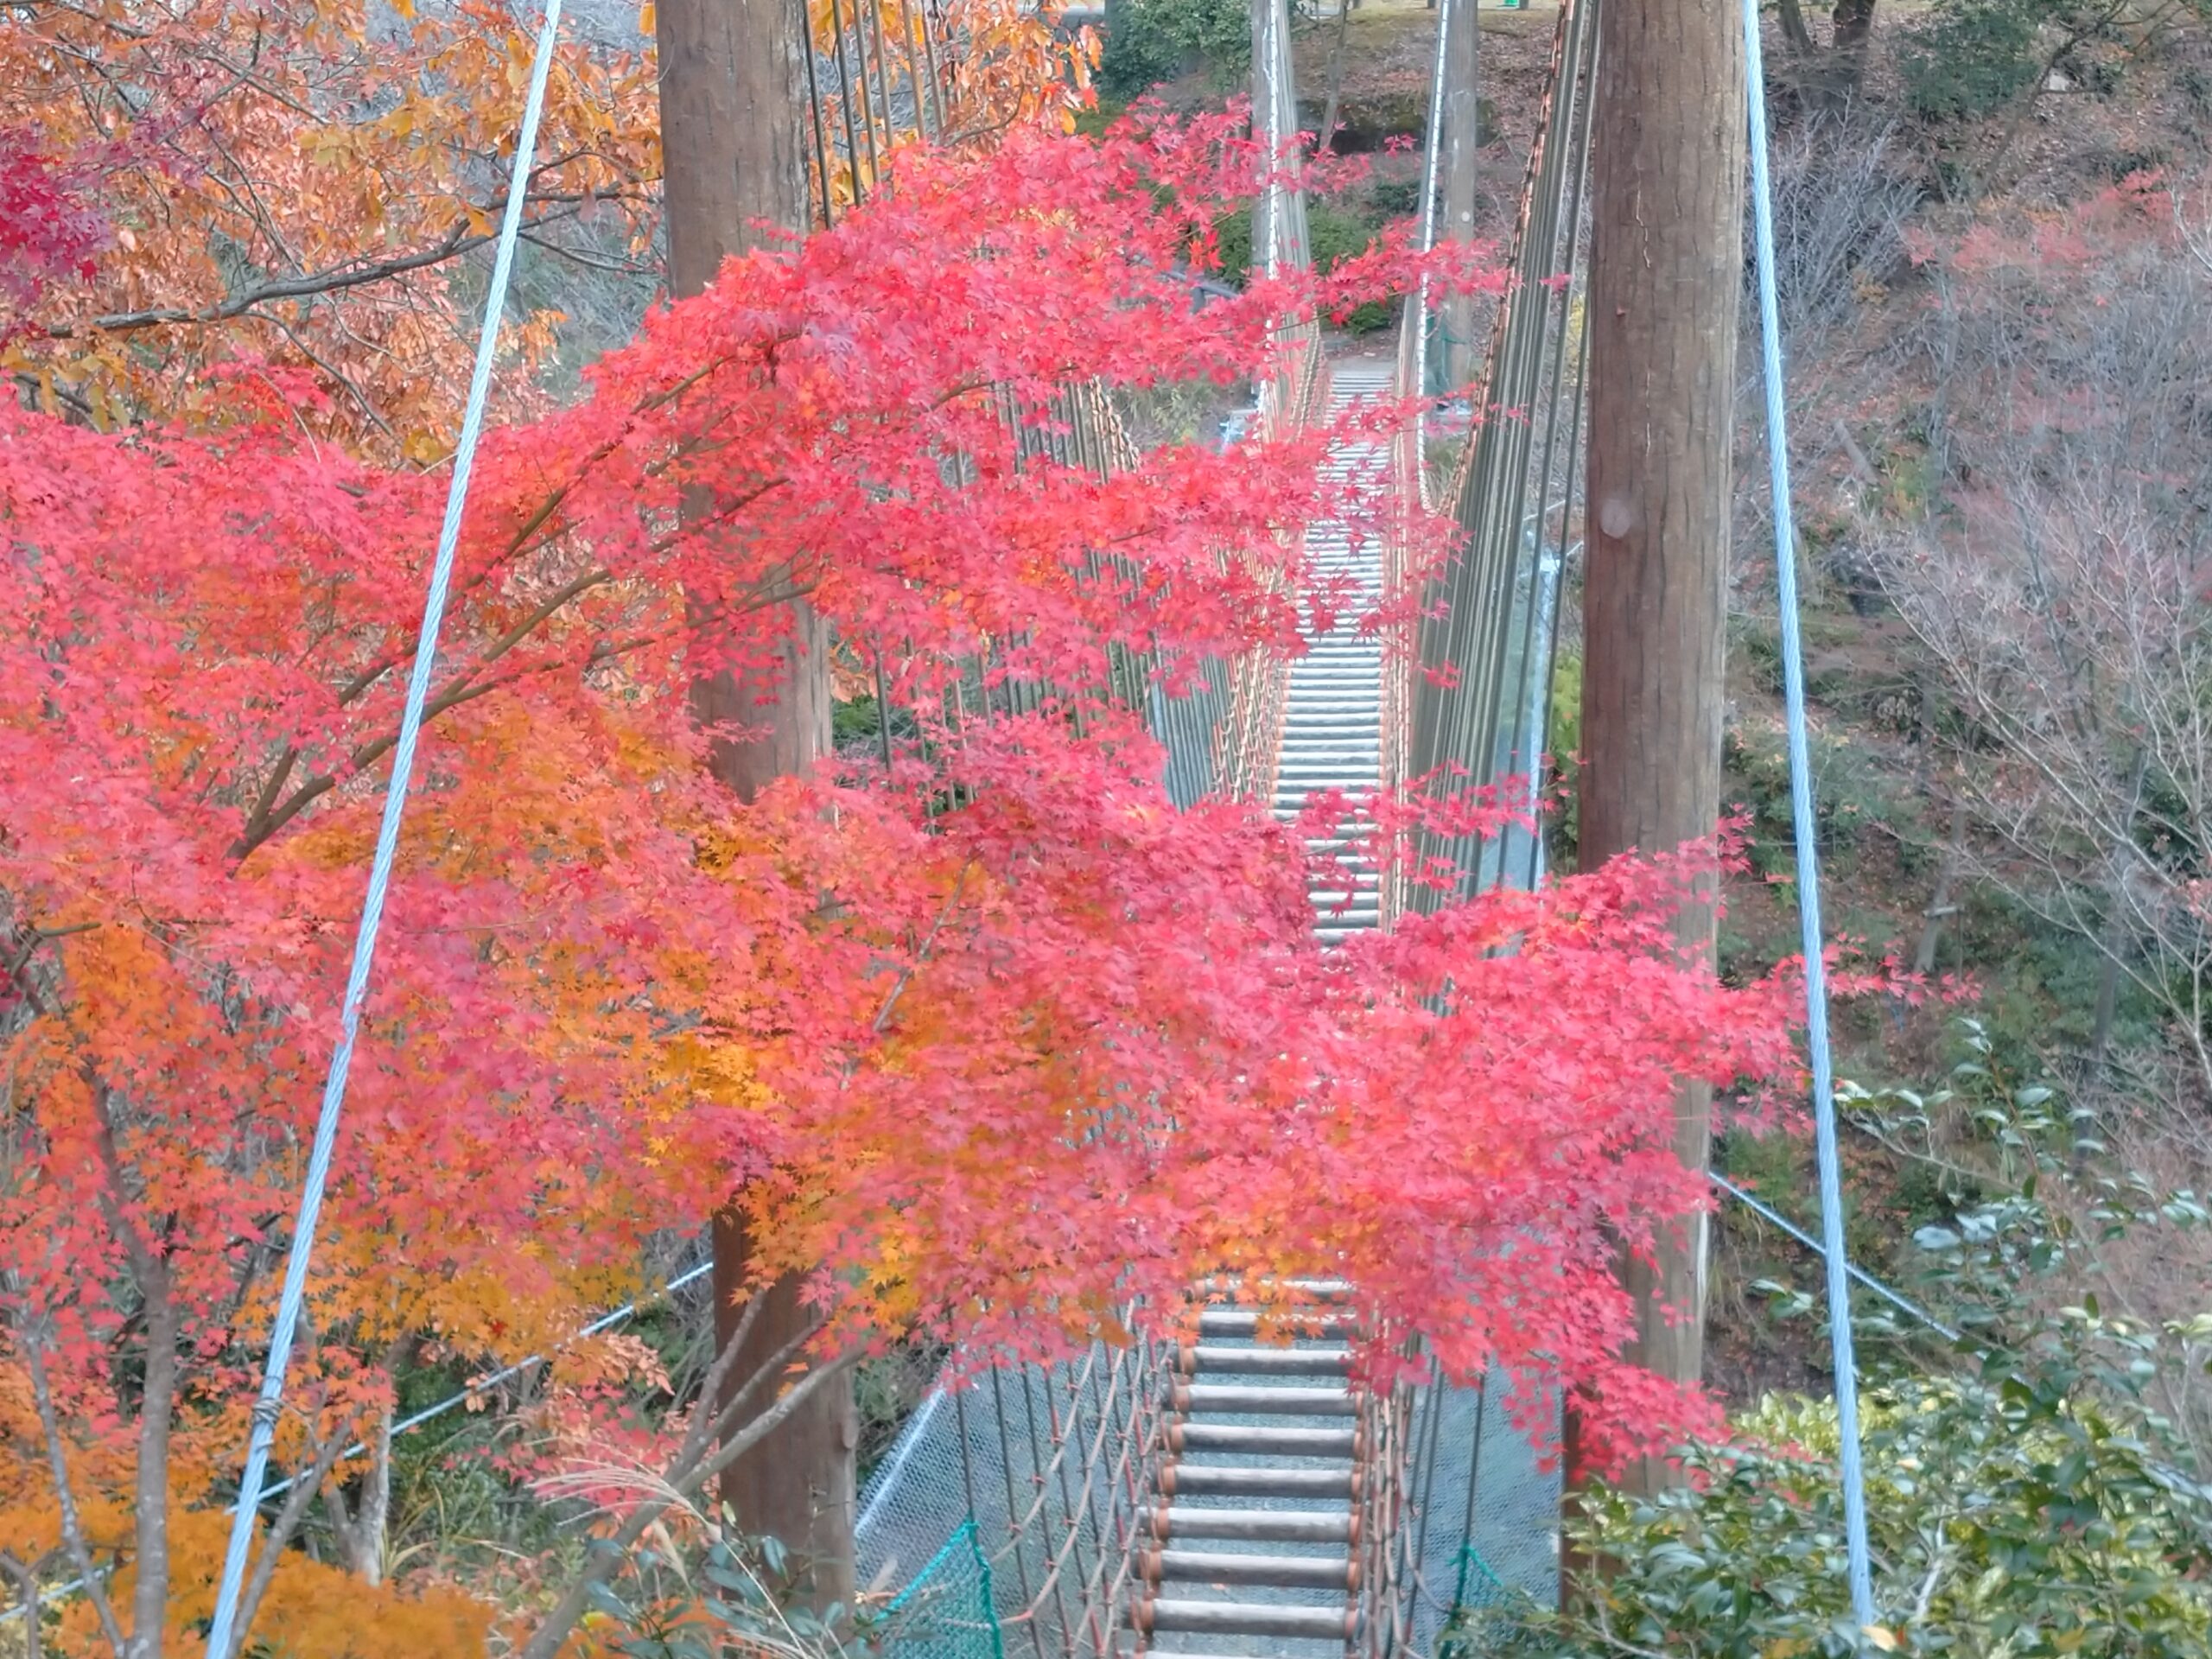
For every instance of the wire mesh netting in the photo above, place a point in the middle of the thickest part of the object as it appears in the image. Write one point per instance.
(1482, 1515)
(1046, 1468)
(1002, 1520)
(947, 1608)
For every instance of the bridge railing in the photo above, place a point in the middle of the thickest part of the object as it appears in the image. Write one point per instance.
(1464, 1513)
(1489, 616)
(1006, 1522)
(880, 73)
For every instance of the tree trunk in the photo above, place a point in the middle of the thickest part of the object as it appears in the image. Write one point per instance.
(1941, 905)
(149, 1601)
(1794, 32)
(359, 1533)
(1328, 134)
(1665, 272)
(2113, 940)
(799, 1484)
(1854, 25)
(734, 118)
(1459, 178)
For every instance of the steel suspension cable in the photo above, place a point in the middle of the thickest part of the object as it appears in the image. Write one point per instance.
(1768, 1213)
(1506, 507)
(1805, 829)
(1430, 166)
(1461, 724)
(221, 1631)
(1547, 572)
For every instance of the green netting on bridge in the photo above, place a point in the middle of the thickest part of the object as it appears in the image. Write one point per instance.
(947, 1610)
(1002, 1521)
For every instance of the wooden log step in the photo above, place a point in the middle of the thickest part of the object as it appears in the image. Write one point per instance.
(1190, 1398)
(1245, 1618)
(1265, 1362)
(1245, 1322)
(1252, 1526)
(1219, 1566)
(1269, 1441)
(1223, 1480)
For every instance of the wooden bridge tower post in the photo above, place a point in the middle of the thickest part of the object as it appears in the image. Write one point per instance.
(1665, 273)
(734, 119)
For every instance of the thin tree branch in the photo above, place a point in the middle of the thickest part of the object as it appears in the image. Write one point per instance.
(72, 1526)
(305, 1487)
(25, 1574)
(610, 1554)
(331, 280)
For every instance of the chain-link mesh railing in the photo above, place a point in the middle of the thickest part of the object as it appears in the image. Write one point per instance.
(1007, 1516)
(1476, 1515)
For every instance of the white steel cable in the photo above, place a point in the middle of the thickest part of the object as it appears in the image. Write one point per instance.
(1418, 320)
(1805, 827)
(221, 1631)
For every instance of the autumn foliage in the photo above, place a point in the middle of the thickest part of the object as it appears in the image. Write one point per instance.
(992, 1040)
(294, 185)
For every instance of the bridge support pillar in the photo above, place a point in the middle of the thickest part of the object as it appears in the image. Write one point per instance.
(1666, 271)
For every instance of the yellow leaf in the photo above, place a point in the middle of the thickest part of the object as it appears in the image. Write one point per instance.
(1883, 1637)
(645, 18)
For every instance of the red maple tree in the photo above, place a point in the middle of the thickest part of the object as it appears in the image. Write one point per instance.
(994, 1040)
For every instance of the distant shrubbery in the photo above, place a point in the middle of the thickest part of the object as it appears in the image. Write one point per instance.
(1152, 41)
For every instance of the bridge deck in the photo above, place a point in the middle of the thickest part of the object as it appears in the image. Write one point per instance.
(1251, 1553)
(1333, 717)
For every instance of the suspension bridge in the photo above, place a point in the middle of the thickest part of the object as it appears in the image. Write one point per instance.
(1234, 1493)
(1234, 1490)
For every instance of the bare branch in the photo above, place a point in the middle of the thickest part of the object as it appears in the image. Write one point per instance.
(608, 1558)
(305, 1487)
(25, 1574)
(335, 279)
(72, 1526)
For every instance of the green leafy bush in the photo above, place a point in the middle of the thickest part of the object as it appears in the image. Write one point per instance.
(2048, 1497)
(1395, 198)
(1968, 58)
(1564, 742)
(1333, 233)
(1152, 41)
(1971, 57)
(2015, 1517)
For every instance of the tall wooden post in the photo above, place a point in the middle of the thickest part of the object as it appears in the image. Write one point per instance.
(1665, 273)
(1462, 139)
(733, 114)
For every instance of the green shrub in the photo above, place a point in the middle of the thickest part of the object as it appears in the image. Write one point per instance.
(1971, 57)
(1333, 233)
(2045, 1497)
(1152, 41)
(1968, 58)
(1564, 740)
(2006, 1519)
(1395, 198)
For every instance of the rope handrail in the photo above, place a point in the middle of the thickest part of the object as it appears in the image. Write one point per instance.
(1491, 614)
